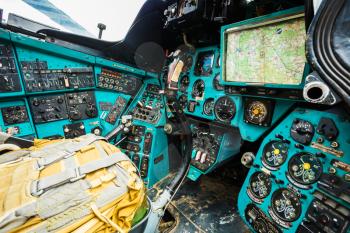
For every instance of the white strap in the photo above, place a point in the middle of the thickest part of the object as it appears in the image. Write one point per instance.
(51, 155)
(74, 174)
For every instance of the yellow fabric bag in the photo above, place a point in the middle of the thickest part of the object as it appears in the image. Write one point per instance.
(70, 185)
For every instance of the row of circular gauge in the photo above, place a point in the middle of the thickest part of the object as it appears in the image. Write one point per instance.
(256, 112)
(304, 169)
(224, 108)
(199, 85)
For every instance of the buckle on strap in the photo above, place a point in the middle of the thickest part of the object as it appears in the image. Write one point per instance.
(78, 175)
(39, 165)
(39, 186)
(68, 154)
(34, 189)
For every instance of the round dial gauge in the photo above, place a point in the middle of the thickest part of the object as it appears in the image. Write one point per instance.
(302, 131)
(216, 83)
(184, 83)
(286, 205)
(260, 185)
(188, 63)
(256, 112)
(208, 107)
(183, 101)
(198, 89)
(225, 109)
(305, 168)
(275, 153)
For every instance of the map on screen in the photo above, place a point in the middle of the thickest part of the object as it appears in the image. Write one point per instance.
(269, 54)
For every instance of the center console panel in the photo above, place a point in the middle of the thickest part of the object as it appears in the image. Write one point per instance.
(212, 145)
(149, 107)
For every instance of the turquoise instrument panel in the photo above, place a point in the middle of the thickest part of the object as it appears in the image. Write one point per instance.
(16, 119)
(300, 176)
(51, 91)
(203, 98)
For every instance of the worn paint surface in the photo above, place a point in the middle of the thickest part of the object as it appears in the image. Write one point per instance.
(208, 206)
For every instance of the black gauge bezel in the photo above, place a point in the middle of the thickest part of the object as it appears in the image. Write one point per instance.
(296, 199)
(206, 102)
(268, 185)
(304, 138)
(234, 109)
(269, 106)
(195, 84)
(182, 87)
(297, 180)
(188, 63)
(265, 150)
(180, 102)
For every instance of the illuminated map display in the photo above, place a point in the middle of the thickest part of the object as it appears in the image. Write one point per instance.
(267, 53)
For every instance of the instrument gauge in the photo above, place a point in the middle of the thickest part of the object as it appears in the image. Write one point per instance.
(183, 101)
(304, 168)
(258, 112)
(275, 154)
(188, 63)
(286, 205)
(302, 131)
(198, 89)
(225, 109)
(260, 185)
(216, 83)
(184, 83)
(208, 107)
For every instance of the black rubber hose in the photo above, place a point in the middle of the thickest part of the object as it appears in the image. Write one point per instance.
(186, 142)
(320, 54)
(309, 13)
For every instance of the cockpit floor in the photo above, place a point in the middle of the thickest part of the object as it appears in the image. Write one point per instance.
(208, 205)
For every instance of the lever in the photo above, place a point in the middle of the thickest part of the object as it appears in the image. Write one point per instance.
(124, 127)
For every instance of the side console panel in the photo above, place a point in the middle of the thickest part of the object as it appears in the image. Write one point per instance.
(10, 83)
(15, 118)
(300, 180)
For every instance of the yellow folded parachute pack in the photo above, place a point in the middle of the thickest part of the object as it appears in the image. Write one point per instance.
(69, 185)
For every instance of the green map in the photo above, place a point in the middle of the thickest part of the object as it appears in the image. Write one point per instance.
(273, 53)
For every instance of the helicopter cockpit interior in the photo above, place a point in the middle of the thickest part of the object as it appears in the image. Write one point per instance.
(254, 92)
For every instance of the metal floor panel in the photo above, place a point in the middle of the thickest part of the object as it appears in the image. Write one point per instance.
(208, 205)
